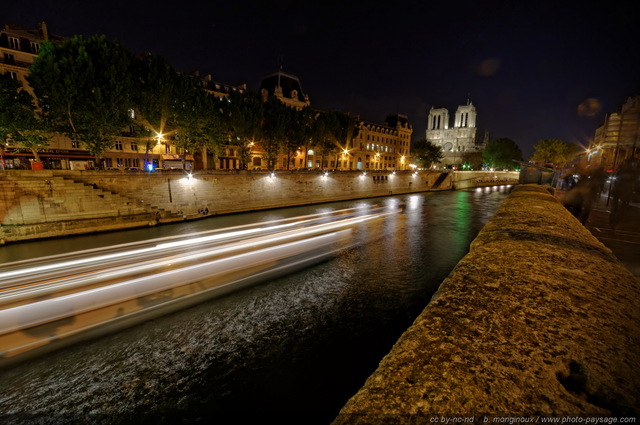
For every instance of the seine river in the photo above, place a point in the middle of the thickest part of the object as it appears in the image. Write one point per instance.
(288, 351)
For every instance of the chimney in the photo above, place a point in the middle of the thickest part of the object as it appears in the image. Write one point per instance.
(42, 29)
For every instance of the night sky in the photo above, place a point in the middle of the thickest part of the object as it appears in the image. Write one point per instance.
(533, 70)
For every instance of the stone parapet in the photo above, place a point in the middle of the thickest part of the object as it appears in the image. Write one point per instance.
(537, 320)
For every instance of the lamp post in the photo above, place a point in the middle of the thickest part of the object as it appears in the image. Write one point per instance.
(345, 157)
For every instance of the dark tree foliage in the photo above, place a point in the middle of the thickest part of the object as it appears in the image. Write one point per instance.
(426, 153)
(19, 124)
(196, 119)
(84, 87)
(277, 118)
(299, 132)
(554, 151)
(157, 95)
(502, 154)
(327, 131)
(472, 160)
(243, 115)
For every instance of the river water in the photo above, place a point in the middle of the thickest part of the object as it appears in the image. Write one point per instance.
(288, 351)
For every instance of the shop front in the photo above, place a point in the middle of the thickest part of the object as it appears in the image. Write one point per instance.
(50, 159)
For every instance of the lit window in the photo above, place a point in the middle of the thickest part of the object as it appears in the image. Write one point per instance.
(14, 43)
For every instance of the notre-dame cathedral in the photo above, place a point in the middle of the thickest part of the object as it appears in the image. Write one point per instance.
(457, 140)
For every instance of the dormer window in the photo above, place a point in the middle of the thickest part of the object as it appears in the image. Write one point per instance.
(294, 94)
(14, 43)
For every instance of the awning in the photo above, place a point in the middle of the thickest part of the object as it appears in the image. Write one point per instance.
(53, 155)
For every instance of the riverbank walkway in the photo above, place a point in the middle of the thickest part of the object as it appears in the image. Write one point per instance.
(623, 239)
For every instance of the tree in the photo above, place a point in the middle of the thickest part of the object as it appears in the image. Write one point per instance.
(425, 153)
(154, 100)
(348, 130)
(502, 153)
(155, 96)
(326, 131)
(243, 115)
(472, 160)
(19, 123)
(554, 151)
(298, 133)
(277, 118)
(193, 114)
(84, 88)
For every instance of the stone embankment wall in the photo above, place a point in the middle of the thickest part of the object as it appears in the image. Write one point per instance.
(538, 319)
(47, 203)
(39, 204)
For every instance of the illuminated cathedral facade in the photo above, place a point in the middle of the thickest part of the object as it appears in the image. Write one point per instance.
(454, 140)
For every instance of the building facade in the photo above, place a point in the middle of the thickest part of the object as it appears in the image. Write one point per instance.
(286, 87)
(19, 47)
(379, 146)
(375, 147)
(454, 140)
(618, 139)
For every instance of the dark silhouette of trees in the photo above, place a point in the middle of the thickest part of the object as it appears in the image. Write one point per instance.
(554, 151)
(426, 153)
(84, 88)
(243, 115)
(502, 154)
(20, 125)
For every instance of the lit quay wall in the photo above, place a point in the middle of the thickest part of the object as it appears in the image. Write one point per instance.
(538, 319)
(49, 203)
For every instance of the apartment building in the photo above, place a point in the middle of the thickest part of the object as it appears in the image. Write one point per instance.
(618, 138)
(376, 147)
(19, 46)
(379, 146)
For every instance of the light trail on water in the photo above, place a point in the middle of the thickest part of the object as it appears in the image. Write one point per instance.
(114, 284)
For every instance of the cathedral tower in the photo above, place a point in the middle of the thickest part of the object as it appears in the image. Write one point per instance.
(456, 140)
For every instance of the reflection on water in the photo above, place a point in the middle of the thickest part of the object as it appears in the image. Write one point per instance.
(291, 351)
